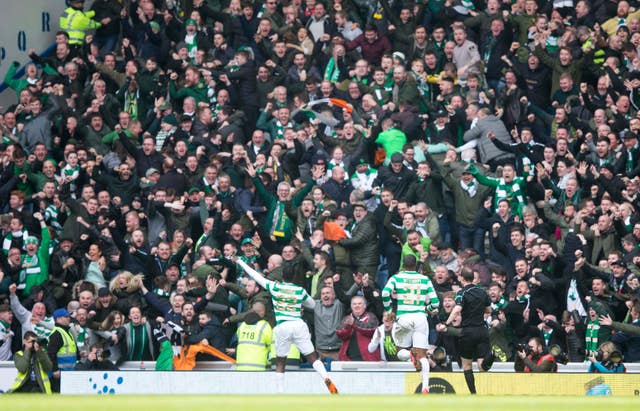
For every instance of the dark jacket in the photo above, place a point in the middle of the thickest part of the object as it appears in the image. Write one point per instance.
(363, 243)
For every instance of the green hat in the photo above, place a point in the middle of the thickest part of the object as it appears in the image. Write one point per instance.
(170, 119)
(154, 25)
(204, 271)
(190, 22)
(246, 240)
(31, 240)
(194, 190)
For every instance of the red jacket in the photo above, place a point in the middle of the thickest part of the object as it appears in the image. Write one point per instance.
(362, 329)
(372, 52)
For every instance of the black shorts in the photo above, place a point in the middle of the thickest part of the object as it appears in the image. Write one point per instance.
(474, 343)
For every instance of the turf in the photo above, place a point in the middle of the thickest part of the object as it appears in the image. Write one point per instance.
(310, 403)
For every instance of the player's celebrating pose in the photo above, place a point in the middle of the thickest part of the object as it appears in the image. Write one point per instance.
(414, 292)
(288, 300)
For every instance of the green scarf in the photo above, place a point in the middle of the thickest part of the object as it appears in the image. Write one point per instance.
(332, 72)
(280, 221)
(591, 336)
(131, 104)
(137, 342)
(499, 305)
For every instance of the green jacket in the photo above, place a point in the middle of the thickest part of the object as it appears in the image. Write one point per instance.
(198, 91)
(574, 68)
(466, 206)
(42, 364)
(43, 263)
(17, 84)
(392, 140)
(407, 250)
(113, 136)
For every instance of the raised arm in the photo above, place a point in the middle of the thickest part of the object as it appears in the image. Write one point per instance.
(253, 273)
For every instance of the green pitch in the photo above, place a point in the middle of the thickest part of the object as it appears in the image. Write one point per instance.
(311, 403)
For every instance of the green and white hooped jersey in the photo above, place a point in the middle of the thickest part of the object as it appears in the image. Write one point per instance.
(287, 300)
(412, 291)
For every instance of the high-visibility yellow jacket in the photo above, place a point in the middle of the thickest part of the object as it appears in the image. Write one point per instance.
(254, 342)
(75, 22)
(42, 366)
(67, 354)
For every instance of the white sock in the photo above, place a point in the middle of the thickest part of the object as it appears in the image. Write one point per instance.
(280, 382)
(319, 367)
(425, 373)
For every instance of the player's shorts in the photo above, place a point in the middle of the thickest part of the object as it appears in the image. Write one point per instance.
(411, 330)
(292, 332)
(473, 342)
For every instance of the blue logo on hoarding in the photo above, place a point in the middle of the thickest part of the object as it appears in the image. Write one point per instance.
(106, 385)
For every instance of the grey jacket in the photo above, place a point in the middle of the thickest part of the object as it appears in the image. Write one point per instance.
(325, 322)
(487, 151)
(38, 129)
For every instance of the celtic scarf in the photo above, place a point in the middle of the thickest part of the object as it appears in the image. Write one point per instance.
(280, 222)
(471, 188)
(498, 305)
(137, 342)
(131, 104)
(591, 336)
(332, 72)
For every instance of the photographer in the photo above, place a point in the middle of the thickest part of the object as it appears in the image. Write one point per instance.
(607, 359)
(33, 366)
(533, 358)
(97, 360)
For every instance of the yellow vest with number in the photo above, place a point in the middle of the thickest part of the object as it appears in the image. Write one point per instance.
(76, 22)
(254, 341)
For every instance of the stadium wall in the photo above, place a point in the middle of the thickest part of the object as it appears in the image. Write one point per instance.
(380, 383)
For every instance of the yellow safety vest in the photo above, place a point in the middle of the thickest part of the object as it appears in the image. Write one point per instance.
(254, 341)
(17, 383)
(75, 22)
(67, 354)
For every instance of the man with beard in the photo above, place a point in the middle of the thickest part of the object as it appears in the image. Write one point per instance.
(192, 87)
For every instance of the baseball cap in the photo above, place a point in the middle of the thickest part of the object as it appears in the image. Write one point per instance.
(61, 312)
(246, 240)
(359, 204)
(103, 292)
(397, 158)
(151, 171)
(619, 263)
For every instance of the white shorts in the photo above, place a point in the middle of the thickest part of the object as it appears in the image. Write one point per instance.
(411, 330)
(292, 332)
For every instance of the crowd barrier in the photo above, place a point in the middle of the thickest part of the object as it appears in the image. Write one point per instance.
(350, 377)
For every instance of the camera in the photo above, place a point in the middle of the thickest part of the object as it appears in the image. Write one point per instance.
(522, 347)
(439, 356)
(559, 356)
(599, 355)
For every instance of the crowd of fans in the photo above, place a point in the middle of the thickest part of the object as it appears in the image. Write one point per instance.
(327, 139)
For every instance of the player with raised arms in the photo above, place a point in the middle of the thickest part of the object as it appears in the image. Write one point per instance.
(288, 300)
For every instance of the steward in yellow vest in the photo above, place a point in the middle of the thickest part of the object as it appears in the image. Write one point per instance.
(62, 348)
(33, 366)
(75, 22)
(254, 342)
